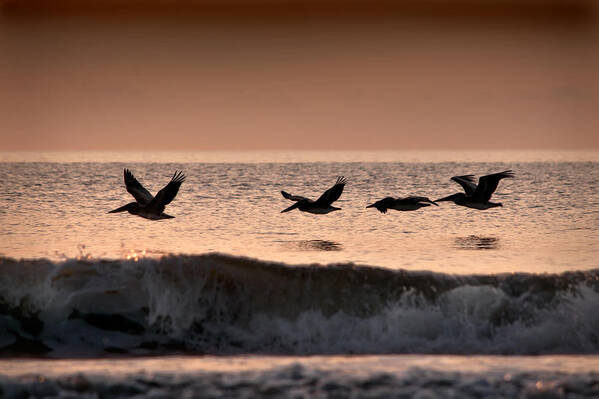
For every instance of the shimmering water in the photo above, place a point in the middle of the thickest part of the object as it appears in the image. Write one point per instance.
(114, 287)
(549, 221)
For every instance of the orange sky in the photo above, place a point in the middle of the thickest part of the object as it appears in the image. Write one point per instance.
(181, 75)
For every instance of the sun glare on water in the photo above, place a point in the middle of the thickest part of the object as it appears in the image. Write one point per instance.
(135, 255)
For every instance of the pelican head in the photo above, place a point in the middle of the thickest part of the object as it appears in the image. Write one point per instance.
(453, 197)
(298, 204)
(131, 207)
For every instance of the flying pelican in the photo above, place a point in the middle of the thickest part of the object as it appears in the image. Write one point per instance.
(410, 203)
(477, 196)
(322, 205)
(145, 205)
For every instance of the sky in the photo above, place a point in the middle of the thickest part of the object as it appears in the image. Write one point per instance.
(298, 74)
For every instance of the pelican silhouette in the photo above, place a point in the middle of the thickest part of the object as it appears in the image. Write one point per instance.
(410, 203)
(322, 205)
(477, 196)
(145, 205)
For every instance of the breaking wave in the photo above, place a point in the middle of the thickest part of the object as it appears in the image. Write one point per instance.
(220, 304)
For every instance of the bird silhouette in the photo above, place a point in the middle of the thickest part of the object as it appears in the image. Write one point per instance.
(145, 204)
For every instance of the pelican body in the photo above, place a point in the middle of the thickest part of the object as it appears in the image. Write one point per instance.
(322, 205)
(477, 196)
(145, 204)
(135, 209)
(410, 203)
(463, 200)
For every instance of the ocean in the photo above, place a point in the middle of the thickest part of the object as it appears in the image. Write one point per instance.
(232, 298)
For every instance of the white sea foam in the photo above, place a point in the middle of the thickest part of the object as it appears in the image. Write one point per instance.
(305, 377)
(224, 305)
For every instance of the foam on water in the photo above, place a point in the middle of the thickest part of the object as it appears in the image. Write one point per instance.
(305, 377)
(222, 304)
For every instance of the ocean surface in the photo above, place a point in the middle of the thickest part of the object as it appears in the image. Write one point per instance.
(232, 298)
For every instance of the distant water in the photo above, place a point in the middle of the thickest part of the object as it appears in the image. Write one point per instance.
(233, 277)
(549, 221)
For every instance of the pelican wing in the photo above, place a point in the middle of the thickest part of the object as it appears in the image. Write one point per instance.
(467, 183)
(488, 184)
(333, 193)
(168, 193)
(293, 197)
(141, 195)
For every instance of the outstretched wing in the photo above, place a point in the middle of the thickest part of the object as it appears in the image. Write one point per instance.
(293, 197)
(333, 193)
(416, 199)
(168, 193)
(488, 184)
(141, 195)
(467, 183)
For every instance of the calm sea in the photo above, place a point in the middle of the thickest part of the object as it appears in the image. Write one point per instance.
(234, 278)
(231, 203)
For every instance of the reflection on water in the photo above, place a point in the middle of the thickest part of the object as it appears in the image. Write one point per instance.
(312, 245)
(217, 211)
(476, 242)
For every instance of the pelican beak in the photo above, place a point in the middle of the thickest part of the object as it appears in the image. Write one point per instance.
(121, 209)
(448, 198)
(292, 207)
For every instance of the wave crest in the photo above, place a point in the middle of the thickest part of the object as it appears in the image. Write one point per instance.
(221, 304)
